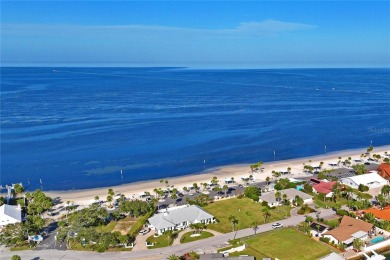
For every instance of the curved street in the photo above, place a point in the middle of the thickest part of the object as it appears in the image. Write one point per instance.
(159, 253)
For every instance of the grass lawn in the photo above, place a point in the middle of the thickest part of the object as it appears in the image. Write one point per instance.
(187, 237)
(328, 203)
(334, 222)
(160, 241)
(245, 210)
(286, 243)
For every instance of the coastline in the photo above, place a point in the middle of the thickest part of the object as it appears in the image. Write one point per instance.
(85, 197)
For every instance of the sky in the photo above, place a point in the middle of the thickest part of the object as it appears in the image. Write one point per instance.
(263, 34)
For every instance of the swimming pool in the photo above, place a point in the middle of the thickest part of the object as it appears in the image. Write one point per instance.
(377, 239)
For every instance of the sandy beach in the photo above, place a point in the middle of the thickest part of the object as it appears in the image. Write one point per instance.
(85, 197)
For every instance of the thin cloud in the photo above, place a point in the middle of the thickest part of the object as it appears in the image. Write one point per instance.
(247, 29)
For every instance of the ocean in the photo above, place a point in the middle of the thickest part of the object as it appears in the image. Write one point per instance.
(77, 128)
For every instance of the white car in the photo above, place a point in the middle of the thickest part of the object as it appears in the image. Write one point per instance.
(277, 225)
(144, 231)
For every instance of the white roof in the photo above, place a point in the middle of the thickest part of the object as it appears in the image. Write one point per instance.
(359, 234)
(13, 212)
(175, 217)
(367, 179)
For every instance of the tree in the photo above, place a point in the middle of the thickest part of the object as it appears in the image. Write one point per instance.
(266, 213)
(18, 188)
(385, 191)
(369, 149)
(97, 198)
(285, 199)
(233, 220)
(307, 188)
(278, 196)
(109, 200)
(289, 169)
(268, 180)
(298, 201)
(359, 169)
(255, 226)
(252, 192)
(166, 183)
(357, 244)
(16, 257)
(173, 257)
(369, 217)
(309, 219)
(196, 187)
(318, 228)
(225, 188)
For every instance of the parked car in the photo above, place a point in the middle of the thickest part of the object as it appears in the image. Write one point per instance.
(191, 194)
(277, 225)
(144, 231)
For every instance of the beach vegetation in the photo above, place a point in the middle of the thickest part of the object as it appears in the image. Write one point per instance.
(285, 243)
(173, 257)
(186, 238)
(135, 208)
(256, 166)
(201, 200)
(252, 192)
(245, 210)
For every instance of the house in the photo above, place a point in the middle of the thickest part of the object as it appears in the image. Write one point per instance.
(291, 193)
(382, 214)
(384, 171)
(371, 180)
(179, 218)
(348, 230)
(10, 215)
(323, 187)
(222, 257)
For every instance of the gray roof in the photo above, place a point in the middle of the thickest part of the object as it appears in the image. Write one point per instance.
(175, 217)
(11, 211)
(291, 193)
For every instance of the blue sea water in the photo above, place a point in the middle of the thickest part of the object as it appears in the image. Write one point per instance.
(77, 128)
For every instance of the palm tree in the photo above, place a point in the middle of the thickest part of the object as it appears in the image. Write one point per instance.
(349, 192)
(96, 198)
(185, 189)
(266, 213)
(166, 183)
(255, 226)
(196, 187)
(169, 234)
(109, 199)
(204, 186)
(173, 257)
(233, 220)
(232, 178)
(289, 170)
(357, 244)
(369, 217)
(284, 198)
(385, 190)
(318, 229)
(267, 179)
(225, 189)
(278, 195)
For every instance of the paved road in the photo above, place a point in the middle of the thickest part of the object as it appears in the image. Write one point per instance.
(160, 253)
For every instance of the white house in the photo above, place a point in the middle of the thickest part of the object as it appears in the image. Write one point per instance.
(348, 230)
(291, 193)
(179, 218)
(10, 215)
(372, 180)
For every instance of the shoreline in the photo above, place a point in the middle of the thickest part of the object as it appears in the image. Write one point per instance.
(86, 196)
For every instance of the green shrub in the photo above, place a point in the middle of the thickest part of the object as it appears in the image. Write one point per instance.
(342, 212)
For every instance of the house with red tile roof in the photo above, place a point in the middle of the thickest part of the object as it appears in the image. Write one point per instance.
(384, 171)
(383, 214)
(323, 186)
